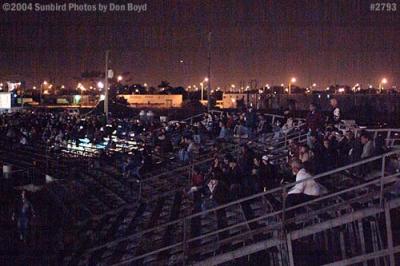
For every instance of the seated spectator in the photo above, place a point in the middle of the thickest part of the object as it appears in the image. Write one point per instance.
(186, 153)
(354, 147)
(265, 173)
(224, 133)
(329, 156)
(233, 178)
(215, 193)
(307, 189)
(368, 145)
(305, 154)
(293, 148)
(288, 126)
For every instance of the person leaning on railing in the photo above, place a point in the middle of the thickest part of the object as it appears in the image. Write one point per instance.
(303, 191)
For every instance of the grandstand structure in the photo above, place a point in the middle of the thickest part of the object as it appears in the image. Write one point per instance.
(116, 221)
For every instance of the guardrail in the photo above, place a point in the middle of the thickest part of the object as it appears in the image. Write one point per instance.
(375, 190)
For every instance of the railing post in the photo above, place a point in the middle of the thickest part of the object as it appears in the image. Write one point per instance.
(285, 140)
(382, 180)
(184, 240)
(389, 234)
(284, 196)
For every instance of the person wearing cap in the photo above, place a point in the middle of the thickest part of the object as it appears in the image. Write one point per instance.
(266, 172)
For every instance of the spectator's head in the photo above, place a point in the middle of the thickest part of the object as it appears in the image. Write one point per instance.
(349, 135)
(296, 165)
(333, 102)
(327, 143)
(309, 167)
(232, 162)
(196, 171)
(23, 195)
(256, 161)
(313, 137)
(312, 107)
(303, 149)
(264, 159)
(364, 137)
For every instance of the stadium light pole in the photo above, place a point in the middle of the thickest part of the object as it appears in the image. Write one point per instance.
(292, 80)
(106, 86)
(209, 74)
(383, 81)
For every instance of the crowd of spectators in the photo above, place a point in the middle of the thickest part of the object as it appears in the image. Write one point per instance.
(232, 174)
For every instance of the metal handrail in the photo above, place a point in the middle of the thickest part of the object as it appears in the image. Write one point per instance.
(272, 214)
(259, 195)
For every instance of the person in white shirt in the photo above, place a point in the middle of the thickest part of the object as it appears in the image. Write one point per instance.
(302, 191)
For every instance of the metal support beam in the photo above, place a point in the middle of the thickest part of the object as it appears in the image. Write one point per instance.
(364, 257)
(290, 249)
(389, 235)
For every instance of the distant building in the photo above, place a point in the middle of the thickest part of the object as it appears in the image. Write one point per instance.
(237, 100)
(154, 100)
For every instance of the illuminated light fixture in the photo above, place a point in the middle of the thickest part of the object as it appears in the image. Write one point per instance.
(119, 78)
(341, 90)
(100, 85)
(102, 97)
(206, 79)
(383, 81)
(145, 84)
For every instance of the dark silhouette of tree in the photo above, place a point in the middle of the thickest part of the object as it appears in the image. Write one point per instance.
(164, 85)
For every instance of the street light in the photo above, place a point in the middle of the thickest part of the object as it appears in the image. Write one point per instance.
(119, 78)
(383, 81)
(100, 85)
(292, 80)
(202, 89)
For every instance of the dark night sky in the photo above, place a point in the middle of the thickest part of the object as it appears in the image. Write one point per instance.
(316, 41)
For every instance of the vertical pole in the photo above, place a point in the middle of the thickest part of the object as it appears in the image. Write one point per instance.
(284, 196)
(209, 73)
(382, 177)
(389, 234)
(106, 86)
(342, 244)
(184, 248)
(290, 249)
(362, 239)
